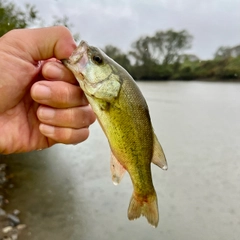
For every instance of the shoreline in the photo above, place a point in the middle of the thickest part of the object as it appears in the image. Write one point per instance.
(10, 223)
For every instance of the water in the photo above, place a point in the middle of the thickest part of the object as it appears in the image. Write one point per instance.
(65, 192)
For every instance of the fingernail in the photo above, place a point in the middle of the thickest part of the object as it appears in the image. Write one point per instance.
(42, 91)
(46, 113)
(46, 129)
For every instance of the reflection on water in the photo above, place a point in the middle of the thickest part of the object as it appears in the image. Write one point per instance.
(66, 192)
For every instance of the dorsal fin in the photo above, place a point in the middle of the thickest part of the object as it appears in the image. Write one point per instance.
(158, 157)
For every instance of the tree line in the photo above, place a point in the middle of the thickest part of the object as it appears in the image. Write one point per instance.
(161, 56)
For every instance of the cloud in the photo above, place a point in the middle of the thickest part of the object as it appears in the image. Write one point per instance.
(213, 23)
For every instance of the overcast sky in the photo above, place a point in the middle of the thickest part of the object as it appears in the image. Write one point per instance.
(212, 23)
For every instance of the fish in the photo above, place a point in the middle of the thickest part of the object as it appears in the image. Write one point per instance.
(123, 114)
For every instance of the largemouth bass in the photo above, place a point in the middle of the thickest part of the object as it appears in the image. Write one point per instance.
(124, 117)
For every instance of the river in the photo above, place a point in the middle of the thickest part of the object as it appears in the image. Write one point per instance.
(66, 192)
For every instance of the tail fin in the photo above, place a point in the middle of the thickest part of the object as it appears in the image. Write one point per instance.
(147, 208)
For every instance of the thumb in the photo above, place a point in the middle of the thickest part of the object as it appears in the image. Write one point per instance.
(42, 43)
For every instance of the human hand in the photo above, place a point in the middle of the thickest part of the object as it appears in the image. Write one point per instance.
(40, 101)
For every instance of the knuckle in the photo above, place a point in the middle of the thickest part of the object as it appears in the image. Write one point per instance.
(62, 95)
(76, 117)
(71, 116)
(64, 135)
(72, 136)
(68, 93)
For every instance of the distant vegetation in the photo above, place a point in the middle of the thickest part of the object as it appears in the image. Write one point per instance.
(161, 56)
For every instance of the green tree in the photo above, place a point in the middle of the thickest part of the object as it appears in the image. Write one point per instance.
(188, 58)
(170, 45)
(12, 17)
(223, 53)
(143, 52)
(235, 51)
(145, 66)
(161, 48)
(158, 55)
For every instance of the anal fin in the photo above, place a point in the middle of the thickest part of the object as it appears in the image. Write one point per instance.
(158, 157)
(117, 170)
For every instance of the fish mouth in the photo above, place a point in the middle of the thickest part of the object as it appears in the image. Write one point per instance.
(77, 54)
(77, 64)
(78, 60)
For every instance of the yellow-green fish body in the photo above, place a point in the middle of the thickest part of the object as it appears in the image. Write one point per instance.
(124, 116)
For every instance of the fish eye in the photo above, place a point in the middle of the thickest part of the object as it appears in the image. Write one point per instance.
(97, 59)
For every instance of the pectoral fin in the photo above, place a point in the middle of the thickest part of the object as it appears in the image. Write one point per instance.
(117, 170)
(158, 154)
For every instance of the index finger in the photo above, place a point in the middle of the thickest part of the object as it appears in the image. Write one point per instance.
(55, 71)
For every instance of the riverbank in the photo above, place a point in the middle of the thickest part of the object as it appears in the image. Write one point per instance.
(10, 223)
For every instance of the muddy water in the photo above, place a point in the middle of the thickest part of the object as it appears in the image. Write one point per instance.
(65, 192)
